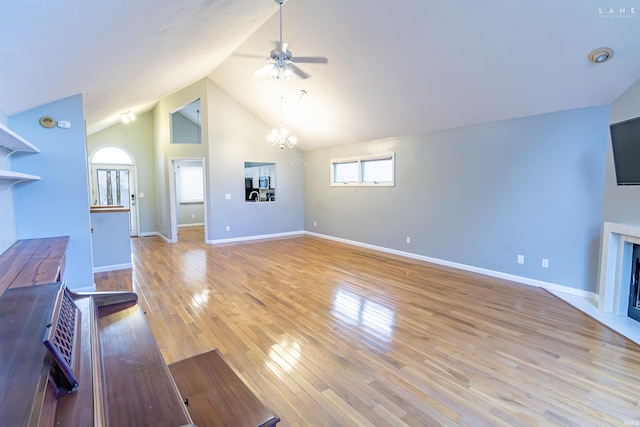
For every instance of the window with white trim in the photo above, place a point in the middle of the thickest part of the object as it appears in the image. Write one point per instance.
(191, 183)
(375, 170)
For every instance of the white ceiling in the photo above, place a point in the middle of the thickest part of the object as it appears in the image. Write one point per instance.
(396, 67)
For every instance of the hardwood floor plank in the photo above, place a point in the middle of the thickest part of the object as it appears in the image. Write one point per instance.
(329, 334)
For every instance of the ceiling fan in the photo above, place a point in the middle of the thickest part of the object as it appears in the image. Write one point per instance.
(284, 63)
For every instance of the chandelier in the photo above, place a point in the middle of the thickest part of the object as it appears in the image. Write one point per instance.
(281, 137)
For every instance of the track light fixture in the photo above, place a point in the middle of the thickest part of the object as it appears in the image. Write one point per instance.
(127, 117)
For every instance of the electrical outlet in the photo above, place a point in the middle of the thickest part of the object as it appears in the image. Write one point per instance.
(408, 239)
(315, 223)
(227, 196)
(228, 228)
(193, 216)
(520, 259)
(545, 263)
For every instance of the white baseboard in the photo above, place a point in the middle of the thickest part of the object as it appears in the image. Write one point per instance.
(166, 240)
(112, 267)
(200, 224)
(148, 234)
(257, 237)
(498, 274)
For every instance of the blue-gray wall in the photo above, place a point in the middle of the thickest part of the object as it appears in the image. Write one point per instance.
(8, 231)
(622, 202)
(111, 241)
(479, 196)
(237, 136)
(58, 204)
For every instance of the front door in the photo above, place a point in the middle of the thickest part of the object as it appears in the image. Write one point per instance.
(114, 185)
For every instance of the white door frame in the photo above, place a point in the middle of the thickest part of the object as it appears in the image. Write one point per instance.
(133, 190)
(173, 202)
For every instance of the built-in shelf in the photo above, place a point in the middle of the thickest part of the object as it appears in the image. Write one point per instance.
(14, 142)
(17, 176)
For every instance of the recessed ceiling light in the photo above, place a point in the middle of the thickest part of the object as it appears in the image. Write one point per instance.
(600, 55)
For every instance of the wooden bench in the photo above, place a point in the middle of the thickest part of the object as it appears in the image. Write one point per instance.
(33, 262)
(216, 395)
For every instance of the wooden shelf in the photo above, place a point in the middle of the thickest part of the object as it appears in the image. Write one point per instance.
(14, 142)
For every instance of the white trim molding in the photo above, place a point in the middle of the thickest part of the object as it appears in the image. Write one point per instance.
(112, 267)
(256, 237)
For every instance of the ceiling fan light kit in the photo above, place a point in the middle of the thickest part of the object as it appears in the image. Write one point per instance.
(284, 63)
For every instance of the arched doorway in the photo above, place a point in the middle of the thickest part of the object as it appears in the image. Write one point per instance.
(113, 181)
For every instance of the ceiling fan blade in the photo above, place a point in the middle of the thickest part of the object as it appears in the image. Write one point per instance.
(264, 71)
(309, 60)
(298, 71)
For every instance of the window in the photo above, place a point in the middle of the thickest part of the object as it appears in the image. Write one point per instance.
(111, 155)
(345, 172)
(186, 125)
(367, 171)
(191, 184)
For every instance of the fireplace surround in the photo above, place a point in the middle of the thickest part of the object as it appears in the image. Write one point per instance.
(634, 294)
(616, 267)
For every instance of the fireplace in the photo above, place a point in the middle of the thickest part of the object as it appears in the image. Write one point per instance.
(617, 268)
(634, 289)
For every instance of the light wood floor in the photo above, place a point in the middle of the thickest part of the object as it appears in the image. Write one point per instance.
(328, 334)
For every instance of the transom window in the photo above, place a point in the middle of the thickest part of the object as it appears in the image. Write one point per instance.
(375, 170)
(112, 156)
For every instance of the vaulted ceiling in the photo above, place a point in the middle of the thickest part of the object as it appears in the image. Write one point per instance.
(395, 67)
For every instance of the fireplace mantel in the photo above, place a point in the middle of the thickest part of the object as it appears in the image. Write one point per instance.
(615, 267)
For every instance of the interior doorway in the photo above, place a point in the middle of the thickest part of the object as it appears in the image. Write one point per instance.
(113, 182)
(187, 194)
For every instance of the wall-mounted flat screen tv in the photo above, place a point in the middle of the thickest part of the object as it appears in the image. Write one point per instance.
(625, 140)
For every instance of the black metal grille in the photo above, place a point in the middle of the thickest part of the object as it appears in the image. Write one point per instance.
(60, 336)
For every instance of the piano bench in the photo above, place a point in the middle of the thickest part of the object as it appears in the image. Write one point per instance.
(216, 395)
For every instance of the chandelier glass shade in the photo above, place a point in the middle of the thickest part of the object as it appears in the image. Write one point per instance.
(281, 138)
